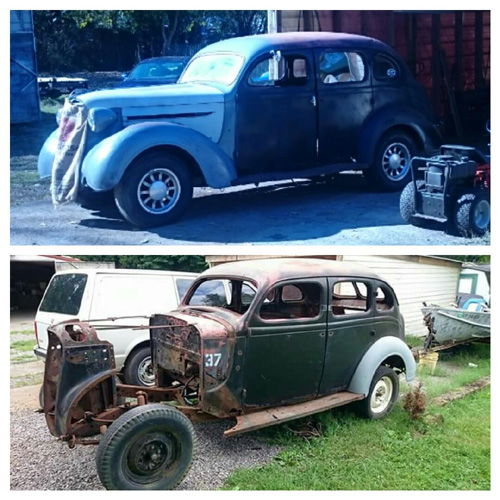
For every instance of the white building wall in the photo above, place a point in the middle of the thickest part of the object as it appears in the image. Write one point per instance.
(415, 279)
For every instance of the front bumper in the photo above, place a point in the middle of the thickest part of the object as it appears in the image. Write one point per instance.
(40, 353)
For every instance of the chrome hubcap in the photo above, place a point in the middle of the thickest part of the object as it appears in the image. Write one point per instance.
(482, 214)
(145, 372)
(381, 395)
(396, 161)
(159, 191)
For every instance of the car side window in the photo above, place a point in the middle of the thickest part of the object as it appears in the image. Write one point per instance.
(292, 301)
(349, 298)
(289, 70)
(385, 68)
(341, 67)
(384, 299)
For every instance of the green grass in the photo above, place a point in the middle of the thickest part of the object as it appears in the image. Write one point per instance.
(449, 450)
(23, 332)
(414, 341)
(23, 345)
(453, 370)
(50, 105)
(391, 454)
(30, 379)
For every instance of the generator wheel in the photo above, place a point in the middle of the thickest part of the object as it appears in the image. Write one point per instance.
(473, 214)
(407, 202)
(150, 447)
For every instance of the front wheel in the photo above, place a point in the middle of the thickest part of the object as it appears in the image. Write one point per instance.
(407, 207)
(473, 214)
(150, 447)
(390, 168)
(381, 398)
(155, 190)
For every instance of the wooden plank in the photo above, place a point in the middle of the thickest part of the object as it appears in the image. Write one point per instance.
(459, 47)
(478, 51)
(451, 95)
(436, 73)
(280, 414)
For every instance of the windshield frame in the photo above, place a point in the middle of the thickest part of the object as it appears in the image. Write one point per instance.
(198, 282)
(227, 84)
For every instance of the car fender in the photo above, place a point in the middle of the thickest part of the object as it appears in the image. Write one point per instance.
(390, 117)
(138, 340)
(373, 358)
(105, 164)
(46, 155)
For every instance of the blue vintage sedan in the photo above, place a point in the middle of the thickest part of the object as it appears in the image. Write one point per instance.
(248, 110)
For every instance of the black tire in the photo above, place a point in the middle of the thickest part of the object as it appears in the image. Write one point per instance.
(407, 202)
(365, 405)
(150, 447)
(127, 195)
(134, 366)
(377, 174)
(88, 198)
(473, 214)
(41, 397)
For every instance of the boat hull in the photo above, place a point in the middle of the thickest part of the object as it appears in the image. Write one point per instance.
(457, 325)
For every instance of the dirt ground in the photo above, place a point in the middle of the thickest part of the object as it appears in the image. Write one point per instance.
(343, 212)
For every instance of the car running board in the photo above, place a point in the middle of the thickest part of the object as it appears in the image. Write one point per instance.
(280, 414)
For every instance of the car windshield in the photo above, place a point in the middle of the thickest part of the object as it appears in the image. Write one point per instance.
(233, 294)
(221, 68)
(157, 69)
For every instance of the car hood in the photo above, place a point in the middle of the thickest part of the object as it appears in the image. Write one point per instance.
(213, 324)
(196, 106)
(159, 95)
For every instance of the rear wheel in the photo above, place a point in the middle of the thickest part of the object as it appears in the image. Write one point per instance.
(149, 447)
(390, 168)
(155, 190)
(384, 390)
(407, 202)
(473, 214)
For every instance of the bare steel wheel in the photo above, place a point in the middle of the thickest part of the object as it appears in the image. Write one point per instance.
(138, 368)
(155, 190)
(149, 447)
(383, 393)
(158, 191)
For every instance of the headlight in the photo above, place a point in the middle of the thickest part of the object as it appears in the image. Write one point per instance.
(100, 119)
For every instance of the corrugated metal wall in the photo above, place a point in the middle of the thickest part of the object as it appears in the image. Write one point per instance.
(24, 98)
(415, 280)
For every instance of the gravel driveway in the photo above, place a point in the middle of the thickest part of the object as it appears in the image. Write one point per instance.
(39, 462)
(343, 213)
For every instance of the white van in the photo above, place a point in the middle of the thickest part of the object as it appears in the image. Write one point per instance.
(95, 294)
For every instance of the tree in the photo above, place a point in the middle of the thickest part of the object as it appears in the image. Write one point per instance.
(186, 263)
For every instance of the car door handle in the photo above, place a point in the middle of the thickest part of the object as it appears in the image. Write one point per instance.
(313, 100)
(372, 333)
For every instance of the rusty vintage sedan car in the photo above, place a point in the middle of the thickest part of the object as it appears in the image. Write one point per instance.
(248, 110)
(262, 342)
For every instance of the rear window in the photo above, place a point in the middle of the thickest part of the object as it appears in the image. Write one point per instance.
(64, 295)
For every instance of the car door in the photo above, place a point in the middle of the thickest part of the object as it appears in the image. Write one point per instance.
(350, 331)
(344, 102)
(276, 114)
(286, 344)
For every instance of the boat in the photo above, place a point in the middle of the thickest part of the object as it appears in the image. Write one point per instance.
(449, 325)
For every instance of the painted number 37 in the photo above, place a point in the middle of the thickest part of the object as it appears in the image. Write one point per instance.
(213, 359)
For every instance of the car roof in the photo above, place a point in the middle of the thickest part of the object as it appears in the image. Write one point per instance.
(252, 44)
(266, 271)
